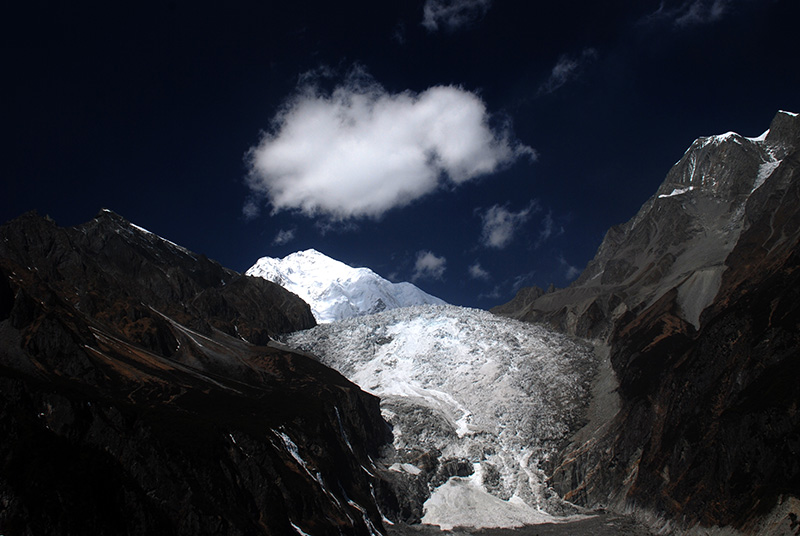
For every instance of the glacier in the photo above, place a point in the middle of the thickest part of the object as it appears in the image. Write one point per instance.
(487, 394)
(334, 290)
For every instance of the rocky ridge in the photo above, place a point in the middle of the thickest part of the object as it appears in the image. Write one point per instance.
(696, 299)
(141, 393)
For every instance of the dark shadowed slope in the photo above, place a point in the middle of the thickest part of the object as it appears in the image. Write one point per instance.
(132, 403)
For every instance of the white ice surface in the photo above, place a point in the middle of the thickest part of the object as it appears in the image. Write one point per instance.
(764, 171)
(503, 392)
(463, 502)
(677, 191)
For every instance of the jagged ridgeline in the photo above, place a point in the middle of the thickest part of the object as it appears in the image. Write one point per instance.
(131, 403)
(698, 299)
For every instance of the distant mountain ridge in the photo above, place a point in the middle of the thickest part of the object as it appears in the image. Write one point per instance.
(336, 291)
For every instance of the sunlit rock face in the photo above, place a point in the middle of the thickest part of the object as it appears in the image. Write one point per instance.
(679, 239)
(697, 299)
(477, 404)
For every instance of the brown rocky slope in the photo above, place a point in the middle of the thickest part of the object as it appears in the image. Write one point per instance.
(140, 393)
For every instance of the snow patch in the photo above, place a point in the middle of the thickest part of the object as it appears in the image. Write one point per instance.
(291, 447)
(733, 136)
(298, 530)
(463, 502)
(677, 191)
(791, 114)
(764, 171)
(405, 468)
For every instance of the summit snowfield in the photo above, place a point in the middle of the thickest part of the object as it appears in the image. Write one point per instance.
(336, 291)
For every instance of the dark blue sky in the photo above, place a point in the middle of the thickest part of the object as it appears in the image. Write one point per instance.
(151, 111)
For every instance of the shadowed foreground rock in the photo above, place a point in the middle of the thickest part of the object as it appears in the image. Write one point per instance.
(132, 403)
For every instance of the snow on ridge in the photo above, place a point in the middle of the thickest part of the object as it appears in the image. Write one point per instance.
(764, 171)
(494, 393)
(791, 114)
(730, 135)
(149, 234)
(170, 242)
(335, 290)
(677, 191)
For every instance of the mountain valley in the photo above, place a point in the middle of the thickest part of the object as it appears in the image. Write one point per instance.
(145, 389)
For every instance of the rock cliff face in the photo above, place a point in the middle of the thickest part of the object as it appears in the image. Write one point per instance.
(697, 300)
(140, 393)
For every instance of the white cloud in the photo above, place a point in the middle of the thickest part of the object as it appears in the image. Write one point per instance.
(500, 224)
(476, 271)
(570, 271)
(522, 280)
(250, 209)
(428, 266)
(567, 68)
(453, 14)
(493, 294)
(549, 228)
(284, 236)
(360, 151)
(690, 12)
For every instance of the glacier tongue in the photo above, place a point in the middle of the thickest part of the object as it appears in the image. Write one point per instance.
(485, 394)
(334, 290)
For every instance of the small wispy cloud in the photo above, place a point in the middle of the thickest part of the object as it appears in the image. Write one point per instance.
(452, 14)
(689, 13)
(476, 271)
(493, 294)
(570, 271)
(500, 224)
(360, 151)
(549, 229)
(506, 289)
(251, 209)
(567, 68)
(522, 280)
(428, 266)
(284, 236)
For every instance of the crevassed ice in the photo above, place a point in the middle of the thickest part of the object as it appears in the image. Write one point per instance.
(501, 394)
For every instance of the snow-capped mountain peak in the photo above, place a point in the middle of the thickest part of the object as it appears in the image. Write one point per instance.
(333, 289)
